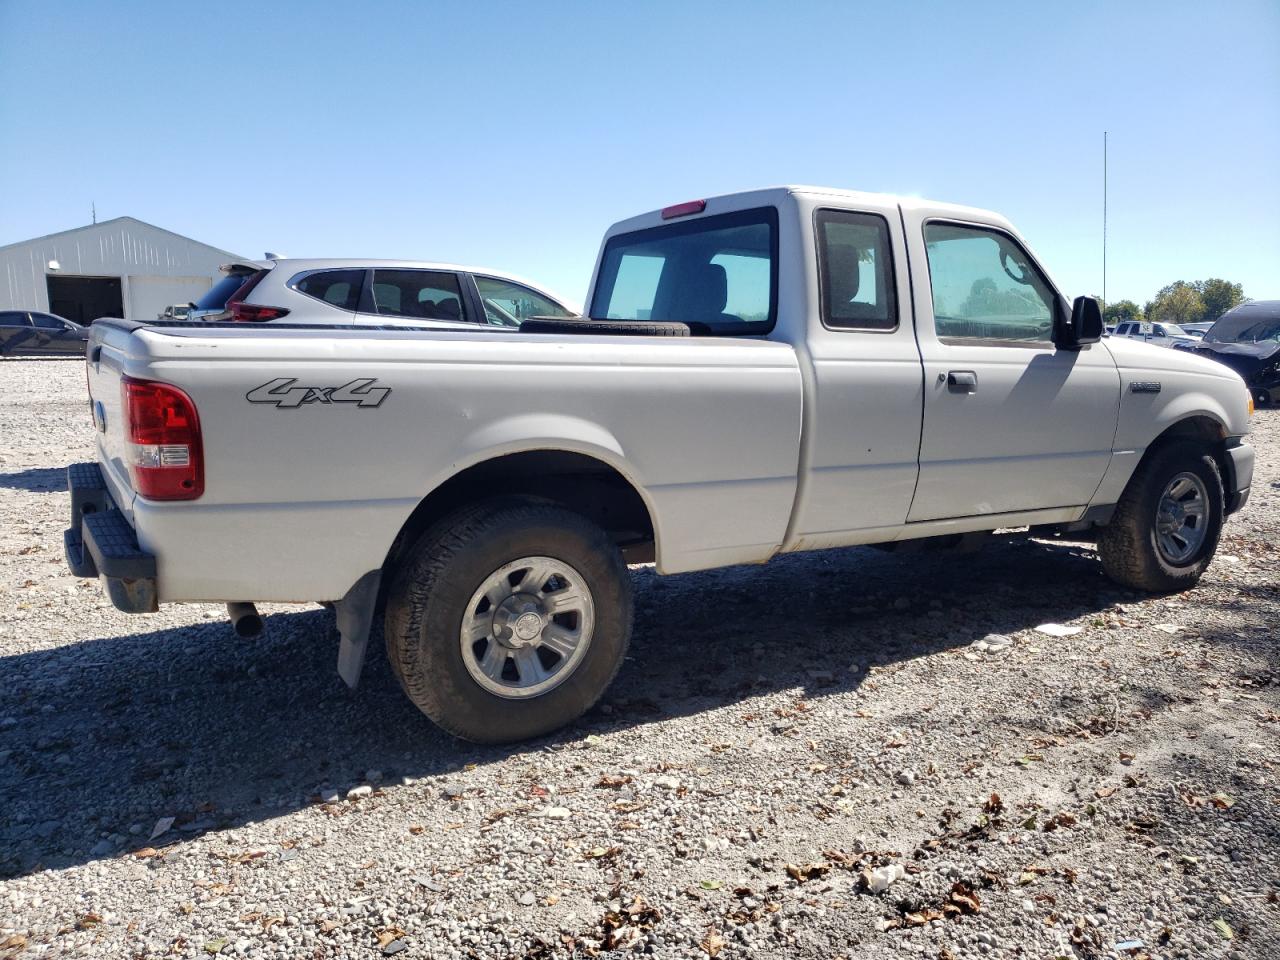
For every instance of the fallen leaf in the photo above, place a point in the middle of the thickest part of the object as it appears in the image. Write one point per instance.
(214, 947)
(711, 884)
(1224, 929)
(388, 935)
(88, 920)
(607, 782)
(1222, 801)
(994, 804)
(962, 900)
(712, 943)
(806, 871)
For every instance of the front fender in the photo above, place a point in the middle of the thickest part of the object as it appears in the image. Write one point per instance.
(1145, 416)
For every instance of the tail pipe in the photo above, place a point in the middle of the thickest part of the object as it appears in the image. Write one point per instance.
(245, 619)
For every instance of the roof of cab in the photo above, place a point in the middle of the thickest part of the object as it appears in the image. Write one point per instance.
(776, 195)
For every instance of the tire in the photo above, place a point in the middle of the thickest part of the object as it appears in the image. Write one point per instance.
(1131, 544)
(431, 600)
(617, 328)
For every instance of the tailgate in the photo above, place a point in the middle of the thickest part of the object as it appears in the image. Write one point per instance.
(106, 355)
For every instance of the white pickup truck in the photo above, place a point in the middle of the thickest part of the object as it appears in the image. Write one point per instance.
(765, 372)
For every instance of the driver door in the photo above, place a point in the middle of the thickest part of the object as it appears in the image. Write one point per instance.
(1011, 424)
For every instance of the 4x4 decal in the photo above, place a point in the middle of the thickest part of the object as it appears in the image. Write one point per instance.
(283, 393)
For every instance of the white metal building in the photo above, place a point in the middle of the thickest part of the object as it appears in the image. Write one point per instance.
(117, 268)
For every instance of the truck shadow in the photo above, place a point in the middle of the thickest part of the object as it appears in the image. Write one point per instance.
(40, 479)
(100, 739)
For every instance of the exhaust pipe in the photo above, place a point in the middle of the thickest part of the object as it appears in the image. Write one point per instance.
(245, 619)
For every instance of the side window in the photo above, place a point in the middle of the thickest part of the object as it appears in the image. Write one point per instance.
(508, 304)
(855, 271)
(13, 318)
(985, 287)
(46, 322)
(340, 288)
(421, 294)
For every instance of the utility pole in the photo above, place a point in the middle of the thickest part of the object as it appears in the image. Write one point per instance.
(94, 207)
(1104, 218)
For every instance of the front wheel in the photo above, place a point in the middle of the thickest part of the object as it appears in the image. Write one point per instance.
(1166, 526)
(508, 619)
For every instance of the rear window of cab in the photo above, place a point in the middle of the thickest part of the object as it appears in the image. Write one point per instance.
(717, 274)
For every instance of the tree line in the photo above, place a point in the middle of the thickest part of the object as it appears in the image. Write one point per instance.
(1181, 302)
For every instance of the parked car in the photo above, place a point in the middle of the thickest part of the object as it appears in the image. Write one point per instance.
(1197, 329)
(1160, 334)
(761, 373)
(374, 293)
(1247, 339)
(32, 334)
(176, 312)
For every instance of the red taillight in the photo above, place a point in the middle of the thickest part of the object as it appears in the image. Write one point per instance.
(242, 312)
(252, 313)
(162, 433)
(683, 209)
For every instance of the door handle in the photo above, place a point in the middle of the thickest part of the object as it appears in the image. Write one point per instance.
(963, 380)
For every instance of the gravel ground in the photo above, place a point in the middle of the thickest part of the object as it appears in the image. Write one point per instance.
(783, 742)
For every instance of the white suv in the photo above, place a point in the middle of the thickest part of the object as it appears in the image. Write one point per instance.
(374, 293)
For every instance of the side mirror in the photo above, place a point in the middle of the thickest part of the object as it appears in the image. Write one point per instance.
(1084, 325)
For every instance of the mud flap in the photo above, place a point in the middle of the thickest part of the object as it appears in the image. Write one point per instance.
(355, 620)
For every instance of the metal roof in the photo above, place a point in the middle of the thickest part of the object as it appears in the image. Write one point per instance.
(106, 223)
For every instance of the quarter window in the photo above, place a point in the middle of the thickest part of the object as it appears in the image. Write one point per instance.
(421, 294)
(340, 288)
(717, 274)
(855, 270)
(508, 304)
(985, 287)
(46, 322)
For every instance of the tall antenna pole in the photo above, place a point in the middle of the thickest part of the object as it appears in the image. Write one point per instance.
(94, 207)
(1104, 218)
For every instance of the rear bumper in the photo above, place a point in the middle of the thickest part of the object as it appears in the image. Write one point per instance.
(1239, 476)
(100, 543)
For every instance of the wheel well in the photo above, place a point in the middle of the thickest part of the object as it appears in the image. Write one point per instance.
(1199, 429)
(576, 481)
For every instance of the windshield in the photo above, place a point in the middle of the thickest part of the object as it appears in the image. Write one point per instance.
(716, 274)
(1250, 326)
(1173, 330)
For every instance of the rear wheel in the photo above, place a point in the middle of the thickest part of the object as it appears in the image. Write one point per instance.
(508, 620)
(1166, 526)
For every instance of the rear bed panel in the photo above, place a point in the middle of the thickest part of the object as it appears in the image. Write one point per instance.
(319, 443)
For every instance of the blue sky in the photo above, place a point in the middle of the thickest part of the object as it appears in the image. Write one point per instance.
(512, 134)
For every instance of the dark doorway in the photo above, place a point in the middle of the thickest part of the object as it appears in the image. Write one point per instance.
(85, 299)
